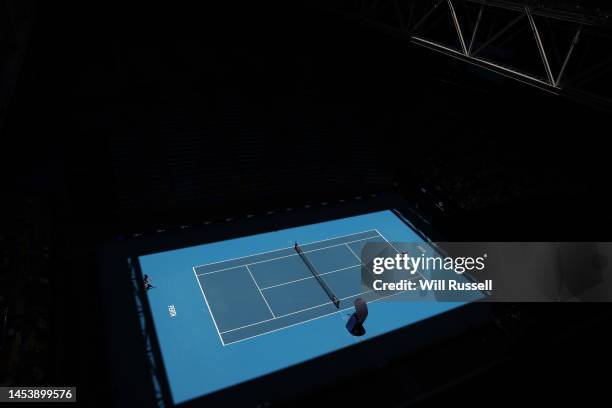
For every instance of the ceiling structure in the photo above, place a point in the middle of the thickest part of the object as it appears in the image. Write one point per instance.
(559, 47)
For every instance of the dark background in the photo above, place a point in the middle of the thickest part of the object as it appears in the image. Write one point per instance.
(133, 119)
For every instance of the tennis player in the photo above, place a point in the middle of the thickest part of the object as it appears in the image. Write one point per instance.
(147, 283)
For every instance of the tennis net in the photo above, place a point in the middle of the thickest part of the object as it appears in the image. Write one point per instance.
(319, 279)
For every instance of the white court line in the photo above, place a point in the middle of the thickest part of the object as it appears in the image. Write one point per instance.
(208, 306)
(292, 313)
(324, 304)
(285, 256)
(310, 308)
(282, 249)
(249, 325)
(306, 321)
(391, 245)
(309, 277)
(259, 289)
(353, 252)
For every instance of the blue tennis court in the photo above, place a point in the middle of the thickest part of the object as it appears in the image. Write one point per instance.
(274, 290)
(230, 311)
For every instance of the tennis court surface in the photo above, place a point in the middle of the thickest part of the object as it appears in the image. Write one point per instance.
(231, 311)
(254, 295)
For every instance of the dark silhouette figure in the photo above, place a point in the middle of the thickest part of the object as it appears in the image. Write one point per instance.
(355, 323)
(147, 283)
